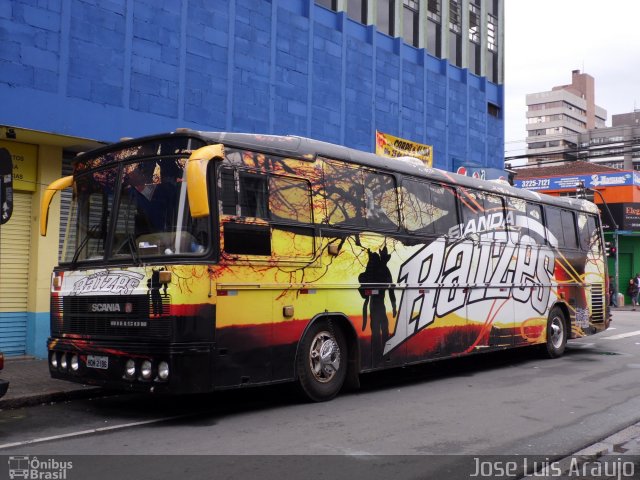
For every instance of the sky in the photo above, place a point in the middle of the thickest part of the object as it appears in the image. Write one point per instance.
(545, 40)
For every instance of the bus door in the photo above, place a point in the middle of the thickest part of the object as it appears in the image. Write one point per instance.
(244, 322)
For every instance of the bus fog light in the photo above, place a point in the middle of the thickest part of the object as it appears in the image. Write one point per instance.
(63, 361)
(130, 368)
(74, 363)
(145, 369)
(54, 360)
(163, 370)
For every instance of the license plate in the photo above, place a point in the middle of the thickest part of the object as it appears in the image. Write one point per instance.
(97, 361)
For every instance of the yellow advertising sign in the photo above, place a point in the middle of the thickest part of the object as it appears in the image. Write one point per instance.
(25, 163)
(390, 146)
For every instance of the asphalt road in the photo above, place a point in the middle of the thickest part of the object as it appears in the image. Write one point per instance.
(438, 417)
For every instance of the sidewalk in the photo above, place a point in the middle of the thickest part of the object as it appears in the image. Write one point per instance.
(31, 384)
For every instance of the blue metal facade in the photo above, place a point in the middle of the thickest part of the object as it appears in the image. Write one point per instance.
(103, 69)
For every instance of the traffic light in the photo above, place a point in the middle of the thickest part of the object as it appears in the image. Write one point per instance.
(581, 192)
(610, 249)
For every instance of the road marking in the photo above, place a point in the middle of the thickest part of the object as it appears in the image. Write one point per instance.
(89, 432)
(623, 335)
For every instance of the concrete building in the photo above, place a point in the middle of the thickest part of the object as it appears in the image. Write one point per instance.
(617, 146)
(557, 117)
(78, 73)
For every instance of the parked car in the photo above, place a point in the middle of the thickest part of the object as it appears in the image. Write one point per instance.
(4, 384)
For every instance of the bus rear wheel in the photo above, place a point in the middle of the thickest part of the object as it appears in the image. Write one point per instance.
(557, 333)
(322, 361)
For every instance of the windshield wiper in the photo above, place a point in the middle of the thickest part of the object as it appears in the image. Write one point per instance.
(84, 242)
(131, 242)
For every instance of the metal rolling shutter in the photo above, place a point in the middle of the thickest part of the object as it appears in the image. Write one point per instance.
(65, 201)
(15, 242)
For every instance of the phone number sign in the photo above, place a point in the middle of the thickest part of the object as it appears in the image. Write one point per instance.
(589, 181)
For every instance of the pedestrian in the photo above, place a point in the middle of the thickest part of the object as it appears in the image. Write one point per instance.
(632, 291)
(637, 282)
(613, 295)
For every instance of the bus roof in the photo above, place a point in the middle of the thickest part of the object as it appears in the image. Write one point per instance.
(303, 147)
(307, 149)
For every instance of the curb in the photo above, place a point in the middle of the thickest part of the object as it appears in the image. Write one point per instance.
(624, 444)
(52, 397)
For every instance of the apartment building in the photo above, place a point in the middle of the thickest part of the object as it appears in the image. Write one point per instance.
(557, 117)
(617, 146)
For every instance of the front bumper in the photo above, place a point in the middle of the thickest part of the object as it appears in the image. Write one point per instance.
(190, 365)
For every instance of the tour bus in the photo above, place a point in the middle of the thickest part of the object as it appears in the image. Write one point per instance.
(198, 261)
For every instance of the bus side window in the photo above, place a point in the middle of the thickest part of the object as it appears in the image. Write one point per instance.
(228, 196)
(587, 226)
(479, 210)
(534, 221)
(553, 222)
(428, 208)
(569, 229)
(417, 209)
(253, 195)
(247, 239)
(345, 194)
(561, 224)
(494, 209)
(381, 201)
(445, 208)
(290, 199)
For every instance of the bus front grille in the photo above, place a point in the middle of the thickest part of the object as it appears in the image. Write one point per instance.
(597, 303)
(131, 316)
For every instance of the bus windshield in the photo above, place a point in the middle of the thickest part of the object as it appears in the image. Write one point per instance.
(132, 210)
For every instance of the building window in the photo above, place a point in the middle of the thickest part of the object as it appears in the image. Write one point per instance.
(330, 4)
(474, 39)
(455, 38)
(474, 23)
(492, 47)
(411, 21)
(493, 110)
(357, 10)
(455, 16)
(492, 33)
(385, 18)
(434, 10)
(434, 28)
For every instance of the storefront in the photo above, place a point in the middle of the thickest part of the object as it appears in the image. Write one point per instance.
(27, 259)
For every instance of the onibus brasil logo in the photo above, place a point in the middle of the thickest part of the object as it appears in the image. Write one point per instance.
(38, 469)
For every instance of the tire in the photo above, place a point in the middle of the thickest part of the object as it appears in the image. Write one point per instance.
(322, 363)
(557, 333)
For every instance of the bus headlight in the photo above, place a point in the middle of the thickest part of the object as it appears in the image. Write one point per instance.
(54, 360)
(74, 363)
(145, 370)
(163, 370)
(130, 368)
(63, 361)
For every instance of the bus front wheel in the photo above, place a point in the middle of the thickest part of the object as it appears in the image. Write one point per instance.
(322, 361)
(557, 333)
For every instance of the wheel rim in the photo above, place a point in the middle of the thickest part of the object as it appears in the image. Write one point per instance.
(557, 332)
(324, 357)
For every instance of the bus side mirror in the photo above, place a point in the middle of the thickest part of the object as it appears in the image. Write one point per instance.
(197, 178)
(52, 189)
